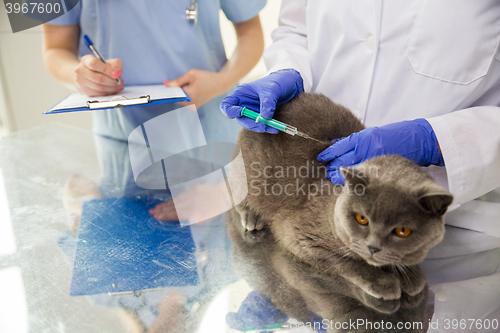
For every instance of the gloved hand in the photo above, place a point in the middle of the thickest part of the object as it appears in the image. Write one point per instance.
(414, 140)
(263, 96)
(255, 311)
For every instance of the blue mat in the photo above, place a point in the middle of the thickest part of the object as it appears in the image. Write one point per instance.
(121, 247)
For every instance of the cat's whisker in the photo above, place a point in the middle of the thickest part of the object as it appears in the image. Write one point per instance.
(404, 272)
(347, 251)
(347, 254)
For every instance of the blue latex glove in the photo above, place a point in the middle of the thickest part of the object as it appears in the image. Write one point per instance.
(264, 96)
(255, 311)
(414, 140)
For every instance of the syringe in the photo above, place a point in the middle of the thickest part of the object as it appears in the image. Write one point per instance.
(288, 129)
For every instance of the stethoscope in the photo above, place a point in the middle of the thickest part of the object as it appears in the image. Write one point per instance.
(192, 12)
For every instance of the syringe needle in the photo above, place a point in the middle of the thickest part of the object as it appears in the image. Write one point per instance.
(306, 136)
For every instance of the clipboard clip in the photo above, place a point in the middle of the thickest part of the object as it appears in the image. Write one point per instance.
(115, 102)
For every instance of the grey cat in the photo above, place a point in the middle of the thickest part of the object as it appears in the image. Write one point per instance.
(340, 252)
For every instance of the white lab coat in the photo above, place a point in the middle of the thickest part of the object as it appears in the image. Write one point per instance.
(390, 61)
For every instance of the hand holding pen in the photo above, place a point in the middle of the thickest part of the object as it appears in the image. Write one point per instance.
(96, 76)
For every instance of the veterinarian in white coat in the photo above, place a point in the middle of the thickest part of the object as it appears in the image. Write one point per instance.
(390, 61)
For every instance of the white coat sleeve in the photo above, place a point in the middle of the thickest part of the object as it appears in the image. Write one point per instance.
(470, 143)
(289, 49)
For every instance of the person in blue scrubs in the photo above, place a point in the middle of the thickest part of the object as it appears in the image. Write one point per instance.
(148, 42)
(151, 42)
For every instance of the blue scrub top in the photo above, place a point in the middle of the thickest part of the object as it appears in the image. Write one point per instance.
(156, 43)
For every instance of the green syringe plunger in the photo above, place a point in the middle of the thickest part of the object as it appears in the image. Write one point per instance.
(269, 122)
(288, 129)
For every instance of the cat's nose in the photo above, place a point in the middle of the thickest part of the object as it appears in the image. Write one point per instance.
(373, 249)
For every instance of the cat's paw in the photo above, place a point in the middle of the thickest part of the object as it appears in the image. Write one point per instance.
(255, 236)
(413, 286)
(252, 221)
(381, 305)
(409, 301)
(386, 287)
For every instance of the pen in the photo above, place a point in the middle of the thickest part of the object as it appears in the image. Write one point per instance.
(92, 48)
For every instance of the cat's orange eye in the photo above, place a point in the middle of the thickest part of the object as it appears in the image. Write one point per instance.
(402, 231)
(361, 219)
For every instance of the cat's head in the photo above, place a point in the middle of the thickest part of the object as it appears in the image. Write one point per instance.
(390, 211)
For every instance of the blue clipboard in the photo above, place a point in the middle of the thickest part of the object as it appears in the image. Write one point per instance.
(131, 96)
(122, 248)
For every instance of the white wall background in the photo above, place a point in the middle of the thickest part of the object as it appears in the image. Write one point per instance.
(26, 88)
(269, 21)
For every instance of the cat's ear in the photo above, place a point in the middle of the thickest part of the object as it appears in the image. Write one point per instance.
(354, 176)
(435, 202)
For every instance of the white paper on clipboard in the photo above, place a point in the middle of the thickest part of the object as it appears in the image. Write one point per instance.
(159, 92)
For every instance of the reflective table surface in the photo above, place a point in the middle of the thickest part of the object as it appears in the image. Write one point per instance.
(81, 252)
(59, 276)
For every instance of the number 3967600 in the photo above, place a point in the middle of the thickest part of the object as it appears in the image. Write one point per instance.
(32, 7)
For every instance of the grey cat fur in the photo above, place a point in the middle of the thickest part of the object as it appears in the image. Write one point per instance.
(316, 256)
